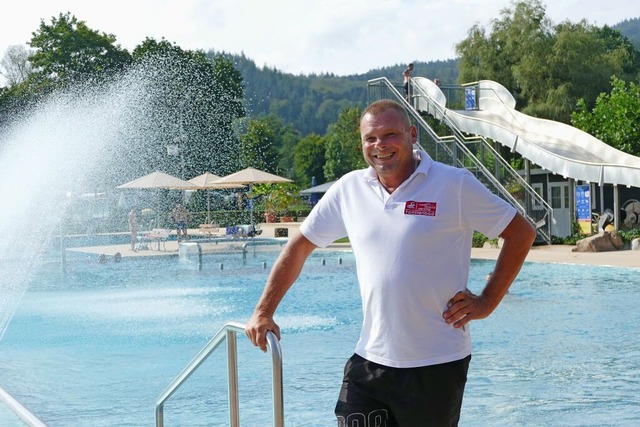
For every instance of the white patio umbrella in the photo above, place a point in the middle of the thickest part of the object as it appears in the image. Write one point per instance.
(207, 181)
(158, 180)
(250, 176)
(204, 181)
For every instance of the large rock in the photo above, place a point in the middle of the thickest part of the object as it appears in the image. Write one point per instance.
(635, 244)
(616, 239)
(601, 242)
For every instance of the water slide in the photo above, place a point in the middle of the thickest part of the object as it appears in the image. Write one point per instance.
(557, 147)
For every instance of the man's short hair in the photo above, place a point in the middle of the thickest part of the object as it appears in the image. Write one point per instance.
(382, 105)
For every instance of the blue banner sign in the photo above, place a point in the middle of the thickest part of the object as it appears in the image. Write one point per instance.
(470, 98)
(583, 207)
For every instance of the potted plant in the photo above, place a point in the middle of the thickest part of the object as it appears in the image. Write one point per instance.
(275, 200)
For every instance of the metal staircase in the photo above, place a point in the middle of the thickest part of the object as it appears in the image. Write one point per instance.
(472, 152)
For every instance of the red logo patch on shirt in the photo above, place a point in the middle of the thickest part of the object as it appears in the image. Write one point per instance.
(420, 208)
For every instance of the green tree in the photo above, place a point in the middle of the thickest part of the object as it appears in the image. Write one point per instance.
(519, 37)
(62, 52)
(196, 103)
(328, 111)
(579, 65)
(309, 158)
(268, 144)
(258, 148)
(343, 150)
(285, 139)
(547, 68)
(67, 49)
(631, 29)
(615, 119)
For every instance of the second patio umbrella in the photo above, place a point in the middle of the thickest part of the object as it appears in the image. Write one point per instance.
(158, 180)
(207, 181)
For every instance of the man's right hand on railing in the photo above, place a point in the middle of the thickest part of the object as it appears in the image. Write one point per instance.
(257, 327)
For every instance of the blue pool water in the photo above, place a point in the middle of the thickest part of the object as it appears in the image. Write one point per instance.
(98, 345)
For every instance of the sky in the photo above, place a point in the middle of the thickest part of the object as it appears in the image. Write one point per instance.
(299, 36)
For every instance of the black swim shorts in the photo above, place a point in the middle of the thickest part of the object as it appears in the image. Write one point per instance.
(377, 395)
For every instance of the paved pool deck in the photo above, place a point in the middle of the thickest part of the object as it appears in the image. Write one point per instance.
(562, 254)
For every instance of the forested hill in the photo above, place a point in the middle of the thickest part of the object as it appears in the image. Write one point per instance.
(311, 103)
(630, 28)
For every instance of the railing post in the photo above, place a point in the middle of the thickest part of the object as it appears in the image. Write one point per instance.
(276, 381)
(232, 366)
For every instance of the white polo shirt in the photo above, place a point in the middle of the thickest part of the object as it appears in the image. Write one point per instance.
(412, 251)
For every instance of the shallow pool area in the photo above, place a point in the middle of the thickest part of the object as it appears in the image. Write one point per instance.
(97, 345)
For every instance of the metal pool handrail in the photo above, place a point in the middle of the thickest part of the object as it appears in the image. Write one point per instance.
(23, 413)
(228, 332)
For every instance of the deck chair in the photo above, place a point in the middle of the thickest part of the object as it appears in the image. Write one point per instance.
(209, 230)
(159, 236)
(142, 244)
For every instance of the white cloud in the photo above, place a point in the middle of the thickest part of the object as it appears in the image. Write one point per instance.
(296, 36)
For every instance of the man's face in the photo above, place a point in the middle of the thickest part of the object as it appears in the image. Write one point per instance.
(387, 143)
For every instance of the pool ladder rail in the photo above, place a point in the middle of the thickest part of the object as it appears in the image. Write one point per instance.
(229, 333)
(20, 411)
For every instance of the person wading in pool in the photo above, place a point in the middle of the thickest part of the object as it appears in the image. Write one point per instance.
(410, 221)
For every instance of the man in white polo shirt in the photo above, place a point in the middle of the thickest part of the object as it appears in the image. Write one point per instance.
(410, 222)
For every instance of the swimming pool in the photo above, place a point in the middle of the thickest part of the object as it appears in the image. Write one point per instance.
(97, 346)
